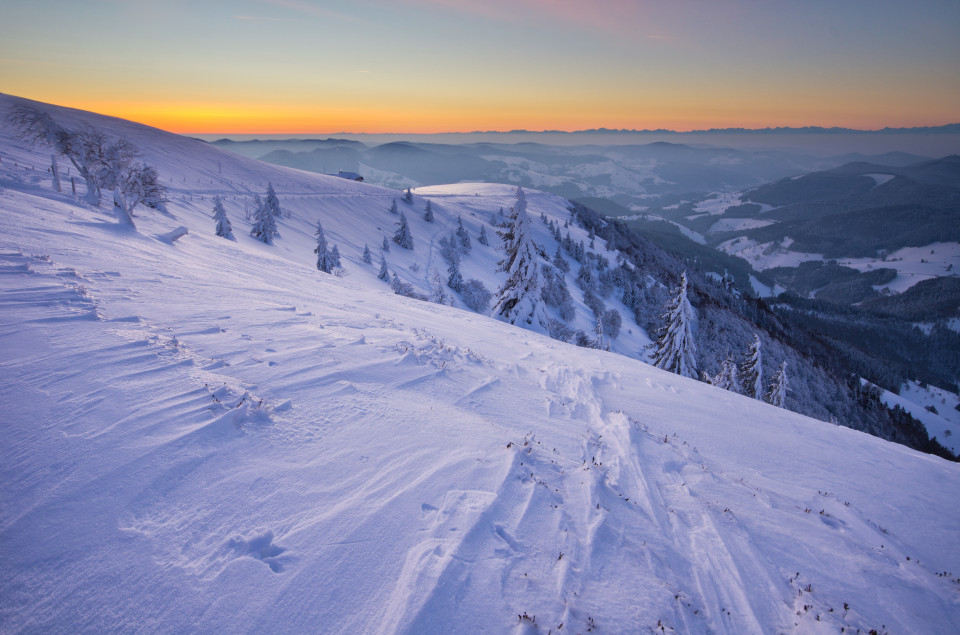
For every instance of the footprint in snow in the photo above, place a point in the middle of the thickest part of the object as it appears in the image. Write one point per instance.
(261, 547)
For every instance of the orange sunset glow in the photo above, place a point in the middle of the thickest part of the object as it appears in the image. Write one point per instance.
(422, 66)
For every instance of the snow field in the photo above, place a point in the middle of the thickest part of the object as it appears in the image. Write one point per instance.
(212, 435)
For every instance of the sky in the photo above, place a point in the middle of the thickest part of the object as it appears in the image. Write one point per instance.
(422, 66)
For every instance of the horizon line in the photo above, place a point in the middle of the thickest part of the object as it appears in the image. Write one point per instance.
(733, 129)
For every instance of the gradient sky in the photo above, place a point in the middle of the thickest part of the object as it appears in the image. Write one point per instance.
(295, 66)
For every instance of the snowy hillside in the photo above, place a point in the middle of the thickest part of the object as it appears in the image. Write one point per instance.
(209, 435)
(935, 407)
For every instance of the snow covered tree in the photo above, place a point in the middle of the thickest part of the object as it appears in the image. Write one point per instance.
(224, 229)
(272, 202)
(675, 349)
(437, 293)
(264, 226)
(393, 207)
(585, 278)
(367, 256)
(463, 235)
(612, 321)
(751, 371)
(449, 247)
(728, 378)
(103, 163)
(408, 197)
(483, 240)
(519, 297)
(335, 256)
(428, 212)
(37, 126)
(600, 343)
(124, 217)
(454, 279)
(141, 184)
(325, 262)
(384, 274)
(403, 237)
(475, 295)
(778, 390)
(386, 245)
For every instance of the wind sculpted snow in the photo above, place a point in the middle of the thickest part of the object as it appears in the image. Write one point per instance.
(211, 435)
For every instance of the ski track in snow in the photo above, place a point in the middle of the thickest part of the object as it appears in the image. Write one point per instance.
(208, 436)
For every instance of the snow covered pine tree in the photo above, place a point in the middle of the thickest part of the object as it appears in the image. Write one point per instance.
(778, 390)
(224, 229)
(325, 260)
(403, 237)
(751, 371)
(272, 203)
(519, 297)
(675, 348)
(728, 378)
(264, 226)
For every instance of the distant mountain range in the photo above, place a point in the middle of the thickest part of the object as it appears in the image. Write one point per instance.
(633, 175)
(846, 235)
(951, 128)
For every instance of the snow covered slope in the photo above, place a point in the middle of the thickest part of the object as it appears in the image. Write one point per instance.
(214, 436)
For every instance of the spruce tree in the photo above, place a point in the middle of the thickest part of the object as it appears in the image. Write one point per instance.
(600, 343)
(264, 226)
(437, 293)
(408, 196)
(335, 256)
(386, 245)
(560, 262)
(272, 202)
(728, 378)
(751, 371)
(393, 207)
(463, 235)
(483, 240)
(454, 279)
(324, 258)
(778, 390)
(224, 229)
(403, 237)
(384, 274)
(675, 348)
(367, 256)
(428, 212)
(519, 297)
